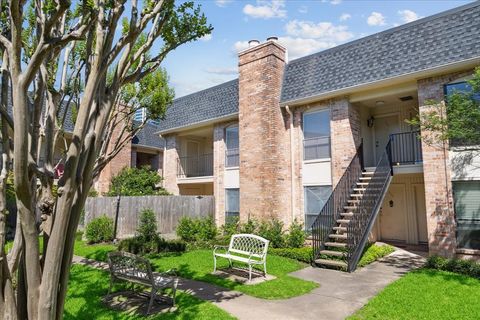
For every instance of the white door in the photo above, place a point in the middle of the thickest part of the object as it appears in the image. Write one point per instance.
(384, 126)
(393, 214)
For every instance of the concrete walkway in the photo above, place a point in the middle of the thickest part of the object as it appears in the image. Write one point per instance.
(340, 294)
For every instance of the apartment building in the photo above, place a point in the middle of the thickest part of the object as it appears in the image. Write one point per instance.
(323, 140)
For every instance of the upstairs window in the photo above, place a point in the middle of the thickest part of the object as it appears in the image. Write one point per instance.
(316, 135)
(232, 155)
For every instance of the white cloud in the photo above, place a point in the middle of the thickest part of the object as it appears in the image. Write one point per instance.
(303, 9)
(206, 37)
(408, 15)
(240, 45)
(325, 31)
(299, 47)
(222, 71)
(222, 3)
(266, 9)
(333, 2)
(345, 16)
(376, 19)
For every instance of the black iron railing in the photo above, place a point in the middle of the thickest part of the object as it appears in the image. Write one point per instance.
(406, 148)
(232, 157)
(363, 219)
(195, 166)
(316, 148)
(330, 213)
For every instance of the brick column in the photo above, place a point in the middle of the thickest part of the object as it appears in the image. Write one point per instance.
(437, 174)
(219, 172)
(345, 135)
(170, 164)
(265, 187)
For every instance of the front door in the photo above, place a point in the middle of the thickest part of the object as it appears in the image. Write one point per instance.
(393, 214)
(384, 126)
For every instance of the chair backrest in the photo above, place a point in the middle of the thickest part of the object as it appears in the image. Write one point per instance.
(129, 265)
(248, 244)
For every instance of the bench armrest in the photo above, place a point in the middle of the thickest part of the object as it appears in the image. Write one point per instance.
(215, 248)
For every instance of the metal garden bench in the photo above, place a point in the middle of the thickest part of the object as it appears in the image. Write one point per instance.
(129, 267)
(246, 248)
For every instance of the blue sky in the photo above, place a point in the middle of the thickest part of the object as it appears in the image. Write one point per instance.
(304, 27)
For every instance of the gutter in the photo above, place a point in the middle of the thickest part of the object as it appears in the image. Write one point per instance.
(292, 163)
(199, 124)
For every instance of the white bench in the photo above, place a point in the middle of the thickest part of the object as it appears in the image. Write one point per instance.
(246, 248)
(129, 267)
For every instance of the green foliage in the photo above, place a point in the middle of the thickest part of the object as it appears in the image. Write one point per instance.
(466, 267)
(99, 230)
(136, 182)
(303, 254)
(373, 252)
(137, 245)
(147, 228)
(458, 121)
(296, 235)
(200, 229)
(249, 227)
(272, 230)
(92, 193)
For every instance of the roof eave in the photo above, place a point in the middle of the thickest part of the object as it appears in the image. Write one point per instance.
(199, 124)
(449, 67)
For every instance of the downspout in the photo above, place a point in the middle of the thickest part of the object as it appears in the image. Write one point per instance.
(292, 163)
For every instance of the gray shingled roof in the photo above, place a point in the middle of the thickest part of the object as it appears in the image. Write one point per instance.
(148, 136)
(447, 37)
(211, 103)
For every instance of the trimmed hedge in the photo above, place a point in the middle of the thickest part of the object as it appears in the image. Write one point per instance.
(373, 252)
(303, 254)
(99, 230)
(136, 245)
(465, 267)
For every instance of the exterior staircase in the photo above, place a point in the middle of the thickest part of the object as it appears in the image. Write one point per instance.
(340, 231)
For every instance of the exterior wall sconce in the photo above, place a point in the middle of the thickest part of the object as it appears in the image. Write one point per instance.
(370, 122)
(391, 203)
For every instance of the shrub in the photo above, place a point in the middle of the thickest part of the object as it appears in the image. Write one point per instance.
(373, 252)
(466, 267)
(147, 228)
(136, 182)
(303, 254)
(203, 229)
(136, 245)
(231, 228)
(296, 235)
(249, 227)
(99, 230)
(272, 230)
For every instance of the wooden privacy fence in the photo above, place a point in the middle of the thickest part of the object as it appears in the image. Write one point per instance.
(168, 210)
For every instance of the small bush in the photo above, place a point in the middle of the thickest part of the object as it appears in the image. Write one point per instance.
(136, 182)
(296, 235)
(136, 245)
(147, 228)
(199, 229)
(272, 230)
(304, 254)
(231, 228)
(373, 252)
(249, 227)
(99, 230)
(466, 267)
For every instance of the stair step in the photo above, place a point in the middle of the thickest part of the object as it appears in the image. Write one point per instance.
(359, 189)
(349, 207)
(338, 236)
(332, 253)
(340, 228)
(353, 201)
(357, 195)
(362, 183)
(366, 178)
(334, 263)
(343, 221)
(347, 214)
(336, 244)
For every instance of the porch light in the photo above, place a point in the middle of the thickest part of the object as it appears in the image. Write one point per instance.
(370, 121)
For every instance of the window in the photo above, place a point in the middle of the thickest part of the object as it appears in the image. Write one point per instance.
(466, 196)
(316, 135)
(232, 144)
(315, 198)
(232, 205)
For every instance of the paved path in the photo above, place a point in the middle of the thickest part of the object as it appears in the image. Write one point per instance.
(340, 294)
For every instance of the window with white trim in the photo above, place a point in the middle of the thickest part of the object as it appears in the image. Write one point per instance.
(232, 155)
(466, 196)
(316, 134)
(314, 200)
(232, 205)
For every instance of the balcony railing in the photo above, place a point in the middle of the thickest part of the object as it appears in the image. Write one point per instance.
(316, 148)
(232, 158)
(406, 148)
(195, 166)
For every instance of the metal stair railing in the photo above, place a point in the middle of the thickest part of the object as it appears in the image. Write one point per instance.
(362, 221)
(330, 213)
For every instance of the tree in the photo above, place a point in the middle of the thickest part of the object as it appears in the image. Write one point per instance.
(103, 58)
(136, 182)
(457, 122)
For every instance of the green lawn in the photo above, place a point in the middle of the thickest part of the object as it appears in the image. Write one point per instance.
(198, 265)
(426, 294)
(87, 286)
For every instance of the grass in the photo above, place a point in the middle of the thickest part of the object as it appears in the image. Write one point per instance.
(87, 286)
(93, 251)
(373, 252)
(426, 294)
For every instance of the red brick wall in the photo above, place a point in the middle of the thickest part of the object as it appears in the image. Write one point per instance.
(265, 187)
(437, 173)
(170, 164)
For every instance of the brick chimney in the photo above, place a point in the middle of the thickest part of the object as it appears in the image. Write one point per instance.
(264, 140)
